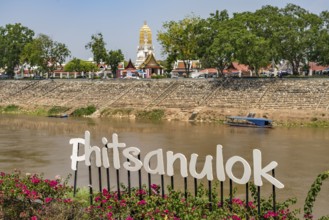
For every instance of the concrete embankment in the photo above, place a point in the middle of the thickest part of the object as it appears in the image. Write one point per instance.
(288, 99)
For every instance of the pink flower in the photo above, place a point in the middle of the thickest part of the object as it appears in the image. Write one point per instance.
(105, 192)
(142, 202)
(34, 218)
(97, 199)
(67, 200)
(48, 200)
(53, 183)
(123, 203)
(141, 192)
(129, 218)
(235, 217)
(109, 215)
(237, 201)
(35, 179)
(270, 214)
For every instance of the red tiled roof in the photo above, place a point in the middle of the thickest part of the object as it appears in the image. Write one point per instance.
(238, 66)
(315, 67)
(209, 70)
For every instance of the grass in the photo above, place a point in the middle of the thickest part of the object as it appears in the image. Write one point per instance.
(153, 115)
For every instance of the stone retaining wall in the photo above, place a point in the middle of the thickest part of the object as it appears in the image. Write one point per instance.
(227, 95)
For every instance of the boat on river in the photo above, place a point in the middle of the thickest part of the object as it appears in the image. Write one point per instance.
(59, 116)
(246, 121)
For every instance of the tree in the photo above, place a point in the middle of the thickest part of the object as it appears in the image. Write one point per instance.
(97, 46)
(297, 35)
(61, 52)
(320, 52)
(13, 38)
(113, 59)
(179, 40)
(44, 53)
(249, 47)
(77, 65)
(215, 48)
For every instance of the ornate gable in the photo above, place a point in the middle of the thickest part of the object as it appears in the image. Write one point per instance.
(150, 62)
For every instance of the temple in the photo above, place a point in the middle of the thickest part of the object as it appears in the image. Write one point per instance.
(146, 63)
(145, 46)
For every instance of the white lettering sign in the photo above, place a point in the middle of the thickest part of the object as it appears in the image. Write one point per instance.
(135, 164)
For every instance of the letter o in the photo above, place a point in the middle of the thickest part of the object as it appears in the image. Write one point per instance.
(247, 170)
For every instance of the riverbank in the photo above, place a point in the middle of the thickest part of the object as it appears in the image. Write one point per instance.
(297, 118)
(288, 102)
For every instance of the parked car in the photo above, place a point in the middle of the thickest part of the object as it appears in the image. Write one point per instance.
(18, 77)
(38, 77)
(4, 76)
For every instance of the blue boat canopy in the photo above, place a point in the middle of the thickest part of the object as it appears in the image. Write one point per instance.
(256, 121)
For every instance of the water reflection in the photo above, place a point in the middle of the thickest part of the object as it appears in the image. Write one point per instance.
(37, 144)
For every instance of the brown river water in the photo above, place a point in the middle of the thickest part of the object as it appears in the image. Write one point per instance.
(41, 145)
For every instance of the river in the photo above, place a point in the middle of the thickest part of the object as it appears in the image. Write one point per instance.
(41, 145)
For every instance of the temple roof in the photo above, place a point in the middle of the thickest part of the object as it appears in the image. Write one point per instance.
(150, 62)
(130, 65)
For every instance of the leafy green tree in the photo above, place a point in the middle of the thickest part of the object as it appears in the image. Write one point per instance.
(179, 40)
(320, 52)
(97, 46)
(113, 59)
(44, 53)
(13, 38)
(297, 35)
(77, 65)
(214, 33)
(61, 52)
(215, 48)
(249, 48)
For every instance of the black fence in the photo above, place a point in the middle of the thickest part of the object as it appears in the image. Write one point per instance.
(108, 176)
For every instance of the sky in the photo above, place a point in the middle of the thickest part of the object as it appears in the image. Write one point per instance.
(73, 22)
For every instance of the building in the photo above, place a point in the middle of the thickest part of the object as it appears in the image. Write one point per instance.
(150, 67)
(180, 71)
(145, 46)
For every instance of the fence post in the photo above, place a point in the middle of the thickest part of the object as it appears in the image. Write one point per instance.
(210, 195)
(149, 182)
(221, 193)
(274, 195)
(118, 184)
(258, 200)
(140, 179)
(100, 179)
(247, 200)
(185, 188)
(129, 181)
(195, 187)
(76, 176)
(231, 194)
(162, 186)
(90, 186)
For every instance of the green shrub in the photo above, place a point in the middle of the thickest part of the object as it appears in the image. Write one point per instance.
(84, 111)
(57, 110)
(11, 108)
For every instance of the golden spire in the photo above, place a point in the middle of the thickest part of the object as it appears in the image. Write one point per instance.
(145, 35)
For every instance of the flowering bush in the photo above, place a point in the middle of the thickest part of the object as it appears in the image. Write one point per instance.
(33, 197)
